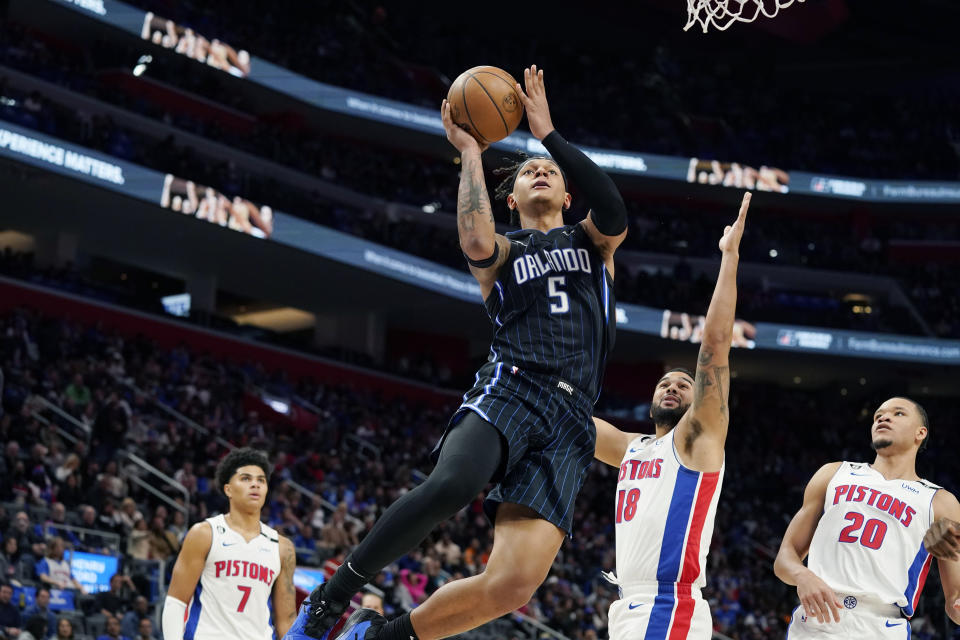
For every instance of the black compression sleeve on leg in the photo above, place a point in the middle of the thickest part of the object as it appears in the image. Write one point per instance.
(468, 460)
(608, 211)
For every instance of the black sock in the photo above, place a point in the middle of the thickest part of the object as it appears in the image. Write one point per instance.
(398, 629)
(343, 584)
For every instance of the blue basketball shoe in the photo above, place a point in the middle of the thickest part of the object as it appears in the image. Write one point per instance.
(363, 624)
(316, 619)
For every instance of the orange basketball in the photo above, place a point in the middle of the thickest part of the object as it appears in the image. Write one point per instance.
(484, 101)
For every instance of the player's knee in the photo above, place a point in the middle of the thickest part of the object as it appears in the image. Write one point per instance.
(451, 492)
(510, 592)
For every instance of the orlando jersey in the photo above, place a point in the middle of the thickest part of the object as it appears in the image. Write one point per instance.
(231, 600)
(869, 540)
(553, 307)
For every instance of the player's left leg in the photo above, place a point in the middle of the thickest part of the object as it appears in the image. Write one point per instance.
(524, 548)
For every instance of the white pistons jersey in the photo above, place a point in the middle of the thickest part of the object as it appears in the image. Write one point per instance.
(664, 524)
(869, 540)
(232, 597)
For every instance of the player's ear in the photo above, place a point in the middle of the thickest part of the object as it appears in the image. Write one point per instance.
(511, 202)
(567, 199)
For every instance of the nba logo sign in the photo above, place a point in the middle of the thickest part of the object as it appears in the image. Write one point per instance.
(818, 184)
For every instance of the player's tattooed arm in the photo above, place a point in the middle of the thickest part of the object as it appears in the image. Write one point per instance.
(474, 213)
(702, 432)
(284, 593)
(942, 541)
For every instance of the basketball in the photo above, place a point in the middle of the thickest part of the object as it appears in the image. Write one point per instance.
(484, 101)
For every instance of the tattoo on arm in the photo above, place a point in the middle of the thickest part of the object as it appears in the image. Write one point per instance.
(289, 563)
(712, 380)
(472, 198)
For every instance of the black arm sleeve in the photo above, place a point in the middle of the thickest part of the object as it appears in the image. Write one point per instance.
(607, 208)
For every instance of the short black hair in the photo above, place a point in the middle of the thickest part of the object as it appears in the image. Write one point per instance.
(924, 420)
(237, 458)
(37, 626)
(683, 370)
(511, 171)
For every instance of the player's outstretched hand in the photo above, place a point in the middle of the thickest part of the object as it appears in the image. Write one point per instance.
(818, 599)
(456, 134)
(534, 100)
(942, 539)
(730, 242)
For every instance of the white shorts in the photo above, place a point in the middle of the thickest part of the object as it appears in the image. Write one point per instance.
(652, 616)
(859, 619)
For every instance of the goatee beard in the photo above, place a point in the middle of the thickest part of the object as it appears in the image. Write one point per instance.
(876, 445)
(669, 418)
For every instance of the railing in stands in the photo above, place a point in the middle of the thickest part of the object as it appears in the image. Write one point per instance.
(364, 448)
(187, 422)
(112, 539)
(152, 470)
(82, 431)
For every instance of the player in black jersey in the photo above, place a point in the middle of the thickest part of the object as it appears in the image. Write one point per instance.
(526, 424)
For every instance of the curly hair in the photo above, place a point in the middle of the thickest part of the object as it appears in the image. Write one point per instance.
(511, 171)
(240, 458)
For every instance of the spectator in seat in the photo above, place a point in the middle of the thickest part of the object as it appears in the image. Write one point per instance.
(9, 612)
(77, 393)
(372, 601)
(27, 539)
(70, 492)
(116, 600)
(113, 631)
(64, 630)
(10, 560)
(163, 544)
(54, 526)
(40, 609)
(138, 543)
(145, 630)
(90, 540)
(34, 629)
(54, 570)
(335, 533)
(128, 514)
(131, 619)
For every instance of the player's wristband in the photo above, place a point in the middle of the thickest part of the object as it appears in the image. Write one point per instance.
(174, 618)
(487, 262)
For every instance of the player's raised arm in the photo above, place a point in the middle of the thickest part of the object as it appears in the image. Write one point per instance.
(942, 541)
(186, 574)
(484, 250)
(607, 223)
(816, 596)
(611, 443)
(706, 421)
(284, 594)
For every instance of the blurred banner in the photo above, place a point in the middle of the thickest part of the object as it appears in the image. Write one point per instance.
(187, 42)
(710, 171)
(205, 203)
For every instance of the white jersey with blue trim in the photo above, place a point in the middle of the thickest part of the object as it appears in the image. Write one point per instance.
(664, 524)
(869, 540)
(232, 599)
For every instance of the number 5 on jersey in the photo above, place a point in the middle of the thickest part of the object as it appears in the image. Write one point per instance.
(562, 302)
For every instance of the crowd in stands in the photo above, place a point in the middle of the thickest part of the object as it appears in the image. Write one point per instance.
(678, 228)
(778, 440)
